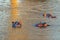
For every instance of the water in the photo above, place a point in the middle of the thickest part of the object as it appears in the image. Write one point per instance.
(30, 12)
(4, 17)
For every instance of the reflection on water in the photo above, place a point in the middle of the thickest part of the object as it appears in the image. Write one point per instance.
(30, 12)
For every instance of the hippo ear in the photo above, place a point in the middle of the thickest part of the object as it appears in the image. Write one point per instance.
(48, 25)
(12, 22)
(43, 14)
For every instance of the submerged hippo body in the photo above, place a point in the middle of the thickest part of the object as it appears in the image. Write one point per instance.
(42, 25)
